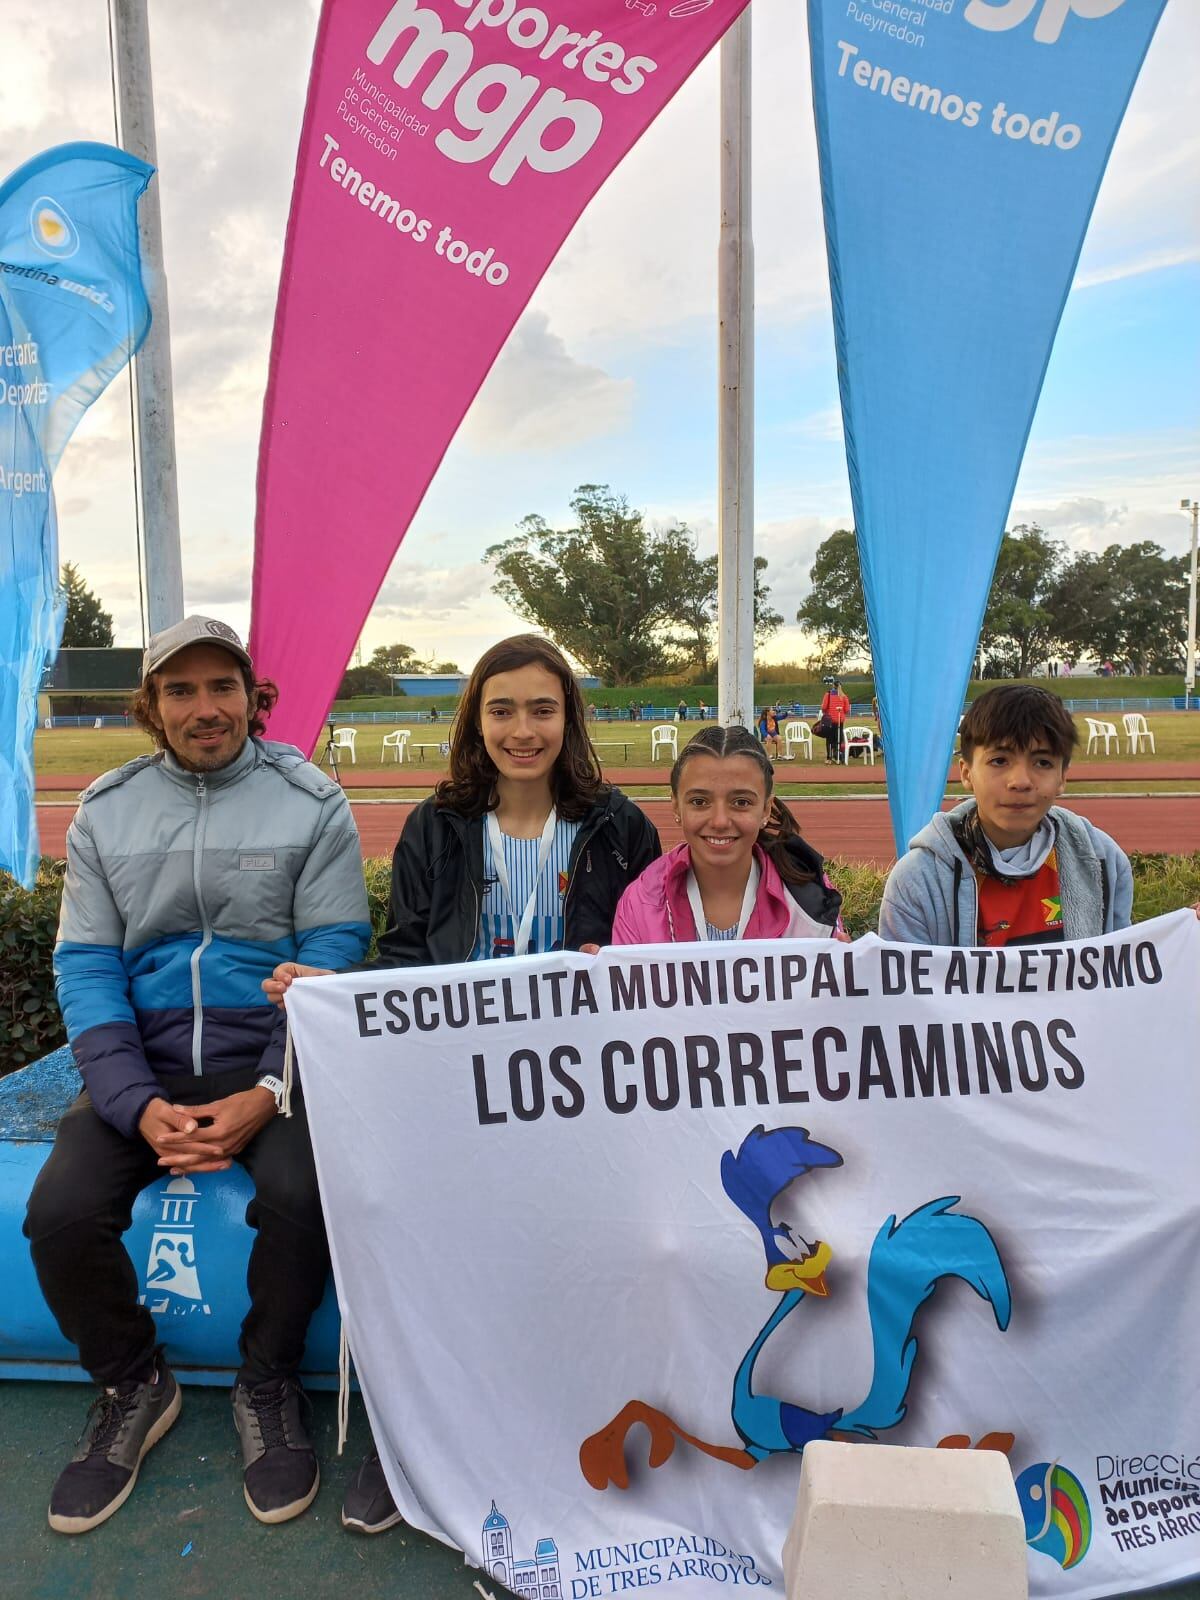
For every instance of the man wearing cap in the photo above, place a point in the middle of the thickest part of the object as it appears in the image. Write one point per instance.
(191, 873)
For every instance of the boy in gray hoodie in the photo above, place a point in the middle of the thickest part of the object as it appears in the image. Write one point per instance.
(1008, 866)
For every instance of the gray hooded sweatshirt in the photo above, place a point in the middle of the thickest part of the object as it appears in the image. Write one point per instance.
(930, 897)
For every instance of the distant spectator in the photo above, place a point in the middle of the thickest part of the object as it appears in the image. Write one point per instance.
(433, 713)
(591, 711)
(703, 712)
(681, 711)
(768, 732)
(835, 708)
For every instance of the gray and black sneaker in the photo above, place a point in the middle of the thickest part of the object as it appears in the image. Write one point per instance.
(281, 1477)
(368, 1506)
(123, 1424)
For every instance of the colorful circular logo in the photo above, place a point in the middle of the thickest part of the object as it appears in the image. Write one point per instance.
(51, 229)
(1058, 1519)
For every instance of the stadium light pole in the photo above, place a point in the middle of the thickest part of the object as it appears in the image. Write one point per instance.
(152, 365)
(1189, 671)
(735, 299)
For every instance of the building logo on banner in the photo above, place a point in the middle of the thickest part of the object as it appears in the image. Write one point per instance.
(172, 1279)
(51, 229)
(536, 1577)
(998, 16)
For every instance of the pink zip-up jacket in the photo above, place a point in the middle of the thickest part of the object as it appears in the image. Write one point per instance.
(655, 908)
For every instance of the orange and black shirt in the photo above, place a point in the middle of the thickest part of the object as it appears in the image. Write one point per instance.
(1020, 910)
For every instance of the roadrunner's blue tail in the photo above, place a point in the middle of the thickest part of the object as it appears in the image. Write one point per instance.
(907, 1260)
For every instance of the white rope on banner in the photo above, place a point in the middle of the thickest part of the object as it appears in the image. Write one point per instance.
(343, 1411)
(283, 1102)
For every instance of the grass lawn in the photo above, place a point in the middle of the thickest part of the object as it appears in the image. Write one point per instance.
(89, 750)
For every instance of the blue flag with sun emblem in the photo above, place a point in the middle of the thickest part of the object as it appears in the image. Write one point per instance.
(72, 312)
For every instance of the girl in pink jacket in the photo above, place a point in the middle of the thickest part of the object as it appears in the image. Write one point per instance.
(742, 871)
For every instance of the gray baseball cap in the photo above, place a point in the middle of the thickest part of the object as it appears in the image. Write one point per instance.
(192, 630)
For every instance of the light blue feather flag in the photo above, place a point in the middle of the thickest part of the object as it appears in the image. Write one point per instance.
(72, 312)
(962, 143)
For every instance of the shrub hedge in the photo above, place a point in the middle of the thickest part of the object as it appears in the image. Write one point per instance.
(30, 1023)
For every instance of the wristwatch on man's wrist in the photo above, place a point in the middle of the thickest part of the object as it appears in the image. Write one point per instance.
(275, 1085)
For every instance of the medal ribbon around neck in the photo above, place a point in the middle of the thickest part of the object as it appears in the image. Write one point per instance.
(522, 932)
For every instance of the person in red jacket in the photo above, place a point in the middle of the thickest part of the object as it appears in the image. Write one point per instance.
(835, 709)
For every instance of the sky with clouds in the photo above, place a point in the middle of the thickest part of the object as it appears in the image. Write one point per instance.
(610, 376)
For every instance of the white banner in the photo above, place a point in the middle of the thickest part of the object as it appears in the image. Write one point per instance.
(616, 1236)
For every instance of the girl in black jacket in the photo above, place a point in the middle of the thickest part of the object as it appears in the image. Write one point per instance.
(524, 815)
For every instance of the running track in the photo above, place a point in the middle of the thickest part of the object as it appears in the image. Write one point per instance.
(850, 830)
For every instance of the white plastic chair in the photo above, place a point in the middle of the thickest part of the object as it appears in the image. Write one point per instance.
(799, 733)
(343, 739)
(1136, 730)
(664, 736)
(1101, 730)
(397, 741)
(860, 736)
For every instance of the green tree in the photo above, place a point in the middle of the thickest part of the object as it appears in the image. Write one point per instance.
(1020, 623)
(88, 625)
(1127, 605)
(394, 658)
(627, 601)
(694, 610)
(601, 589)
(363, 681)
(835, 612)
(446, 667)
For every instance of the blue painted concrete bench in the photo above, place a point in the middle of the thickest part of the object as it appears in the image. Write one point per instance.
(189, 1243)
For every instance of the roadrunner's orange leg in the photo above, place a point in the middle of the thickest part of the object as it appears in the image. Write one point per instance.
(602, 1454)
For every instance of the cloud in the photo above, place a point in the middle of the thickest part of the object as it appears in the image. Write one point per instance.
(1085, 523)
(539, 397)
(1137, 267)
(431, 594)
(226, 586)
(824, 425)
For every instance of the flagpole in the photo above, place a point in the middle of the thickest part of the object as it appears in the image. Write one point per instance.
(152, 365)
(735, 298)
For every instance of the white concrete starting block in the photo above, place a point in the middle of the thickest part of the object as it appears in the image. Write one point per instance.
(886, 1522)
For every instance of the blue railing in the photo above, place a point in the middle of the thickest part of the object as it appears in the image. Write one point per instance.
(650, 713)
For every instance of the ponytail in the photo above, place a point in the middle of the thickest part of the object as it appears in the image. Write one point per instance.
(780, 825)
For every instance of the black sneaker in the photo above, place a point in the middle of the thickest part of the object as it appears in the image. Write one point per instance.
(368, 1506)
(122, 1425)
(281, 1477)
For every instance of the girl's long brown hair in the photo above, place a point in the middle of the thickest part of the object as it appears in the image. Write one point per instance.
(780, 825)
(576, 781)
